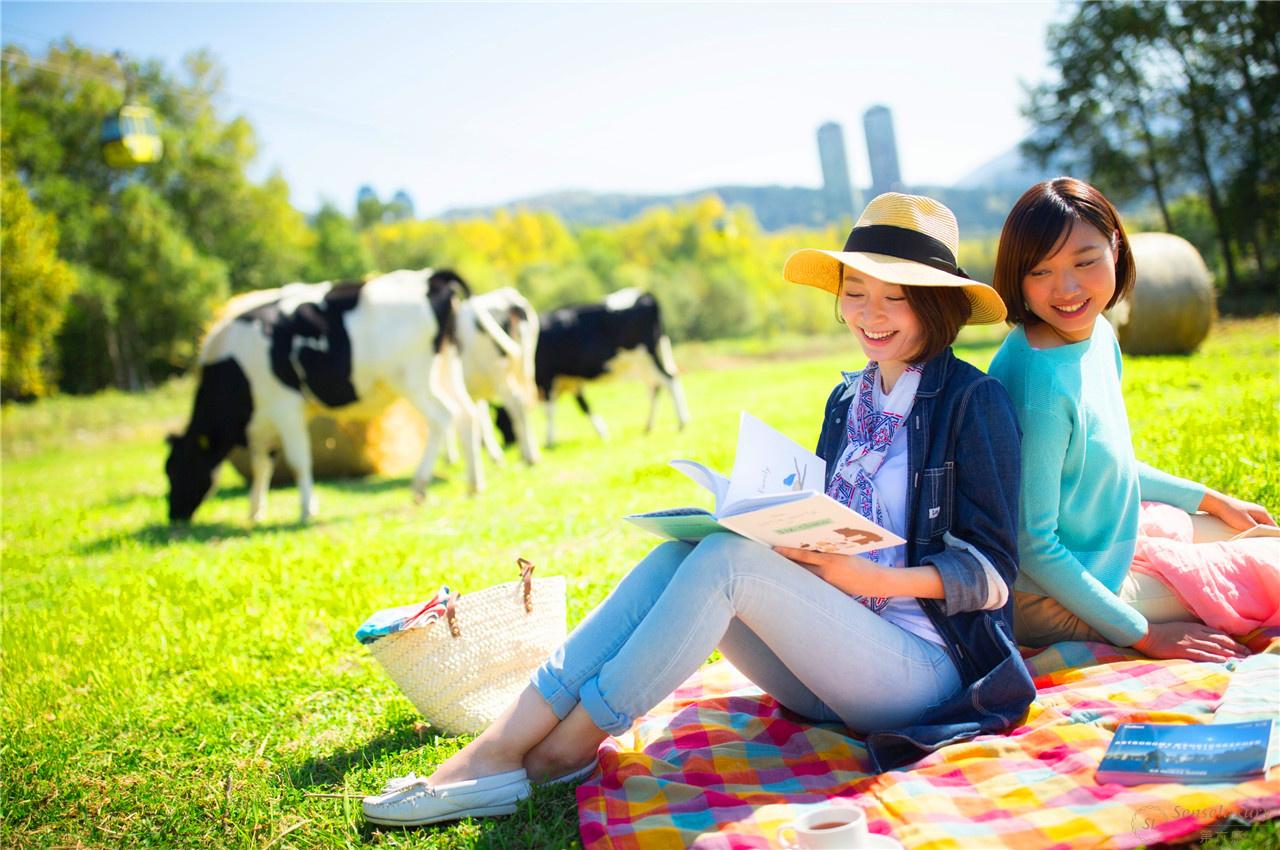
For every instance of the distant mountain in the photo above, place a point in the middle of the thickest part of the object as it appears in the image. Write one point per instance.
(980, 200)
(776, 207)
(1013, 170)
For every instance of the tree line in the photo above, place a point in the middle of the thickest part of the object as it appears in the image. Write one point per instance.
(110, 277)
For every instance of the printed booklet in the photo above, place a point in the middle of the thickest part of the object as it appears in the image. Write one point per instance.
(774, 496)
(1165, 752)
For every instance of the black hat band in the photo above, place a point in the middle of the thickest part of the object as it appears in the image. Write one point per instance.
(905, 244)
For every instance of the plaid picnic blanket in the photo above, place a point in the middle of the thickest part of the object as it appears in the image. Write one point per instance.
(720, 766)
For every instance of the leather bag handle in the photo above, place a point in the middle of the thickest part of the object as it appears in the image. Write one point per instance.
(526, 574)
(451, 613)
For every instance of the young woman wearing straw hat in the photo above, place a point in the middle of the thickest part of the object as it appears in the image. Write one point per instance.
(916, 648)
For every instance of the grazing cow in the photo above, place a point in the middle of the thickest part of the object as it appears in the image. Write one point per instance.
(341, 345)
(497, 338)
(579, 342)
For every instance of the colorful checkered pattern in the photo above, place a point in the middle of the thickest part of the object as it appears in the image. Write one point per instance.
(718, 766)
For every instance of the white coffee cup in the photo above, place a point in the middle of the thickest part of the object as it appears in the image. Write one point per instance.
(834, 826)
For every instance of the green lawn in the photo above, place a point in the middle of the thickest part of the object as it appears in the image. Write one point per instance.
(190, 688)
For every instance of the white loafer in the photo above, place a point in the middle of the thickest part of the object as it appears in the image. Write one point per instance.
(410, 801)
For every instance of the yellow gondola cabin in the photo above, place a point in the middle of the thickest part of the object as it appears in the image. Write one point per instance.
(130, 138)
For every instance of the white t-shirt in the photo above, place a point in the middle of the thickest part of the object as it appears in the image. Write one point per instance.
(891, 484)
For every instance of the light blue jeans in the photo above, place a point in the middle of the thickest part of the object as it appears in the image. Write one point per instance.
(817, 650)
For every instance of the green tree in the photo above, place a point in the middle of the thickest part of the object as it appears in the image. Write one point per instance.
(369, 208)
(401, 206)
(89, 343)
(1230, 55)
(1102, 113)
(52, 109)
(549, 286)
(338, 253)
(253, 229)
(1156, 96)
(36, 286)
(167, 289)
(208, 228)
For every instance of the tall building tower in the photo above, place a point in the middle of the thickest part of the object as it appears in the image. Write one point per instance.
(837, 189)
(882, 150)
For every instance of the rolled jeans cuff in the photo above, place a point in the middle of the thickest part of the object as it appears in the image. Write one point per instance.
(600, 712)
(556, 694)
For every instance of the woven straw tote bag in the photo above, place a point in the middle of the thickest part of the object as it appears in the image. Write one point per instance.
(460, 673)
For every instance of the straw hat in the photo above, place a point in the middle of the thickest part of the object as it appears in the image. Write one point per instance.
(909, 240)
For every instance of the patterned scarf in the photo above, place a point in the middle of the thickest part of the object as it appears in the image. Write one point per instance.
(870, 432)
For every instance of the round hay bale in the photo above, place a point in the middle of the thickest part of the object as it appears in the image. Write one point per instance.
(385, 440)
(1171, 307)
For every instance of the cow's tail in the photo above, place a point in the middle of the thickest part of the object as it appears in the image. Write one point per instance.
(663, 357)
(667, 358)
(667, 363)
(446, 305)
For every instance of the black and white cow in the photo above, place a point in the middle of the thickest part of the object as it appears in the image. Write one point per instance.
(350, 346)
(579, 342)
(498, 338)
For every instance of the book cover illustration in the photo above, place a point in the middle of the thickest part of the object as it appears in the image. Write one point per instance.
(1212, 752)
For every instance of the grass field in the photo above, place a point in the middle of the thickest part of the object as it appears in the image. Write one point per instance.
(190, 688)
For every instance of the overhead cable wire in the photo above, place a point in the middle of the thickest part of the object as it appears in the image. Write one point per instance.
(302, 111)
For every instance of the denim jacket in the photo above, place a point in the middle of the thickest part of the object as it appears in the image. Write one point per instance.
(963, 469)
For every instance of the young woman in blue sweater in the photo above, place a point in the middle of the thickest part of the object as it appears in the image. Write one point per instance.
(1063, 259)
(911, 646)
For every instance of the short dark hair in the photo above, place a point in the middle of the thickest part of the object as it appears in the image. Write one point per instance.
(1038, 225)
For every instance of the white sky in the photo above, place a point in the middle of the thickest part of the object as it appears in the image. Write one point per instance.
(470, 104)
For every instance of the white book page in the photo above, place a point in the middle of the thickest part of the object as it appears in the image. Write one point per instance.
(708, 478)
(768, 462)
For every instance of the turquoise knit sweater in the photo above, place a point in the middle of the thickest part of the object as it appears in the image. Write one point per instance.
(1081, 484)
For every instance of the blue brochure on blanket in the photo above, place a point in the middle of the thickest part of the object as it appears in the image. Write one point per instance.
(1166, 752)
(774, 496)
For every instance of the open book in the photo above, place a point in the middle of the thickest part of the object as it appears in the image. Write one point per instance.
(774, 496)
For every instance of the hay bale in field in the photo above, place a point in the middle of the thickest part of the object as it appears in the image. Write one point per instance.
(1171, 307)
(386, 440)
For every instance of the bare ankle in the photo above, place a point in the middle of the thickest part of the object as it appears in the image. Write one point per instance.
(551, 760)
(540, 767)
(570, 746)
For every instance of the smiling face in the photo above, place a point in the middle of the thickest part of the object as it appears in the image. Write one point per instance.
(884, 324)
(1070, 288)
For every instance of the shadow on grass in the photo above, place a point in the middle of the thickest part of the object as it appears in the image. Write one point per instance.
(354, 484)
(377, 485)
(548, 818)
(329, 770)
(162, 534)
